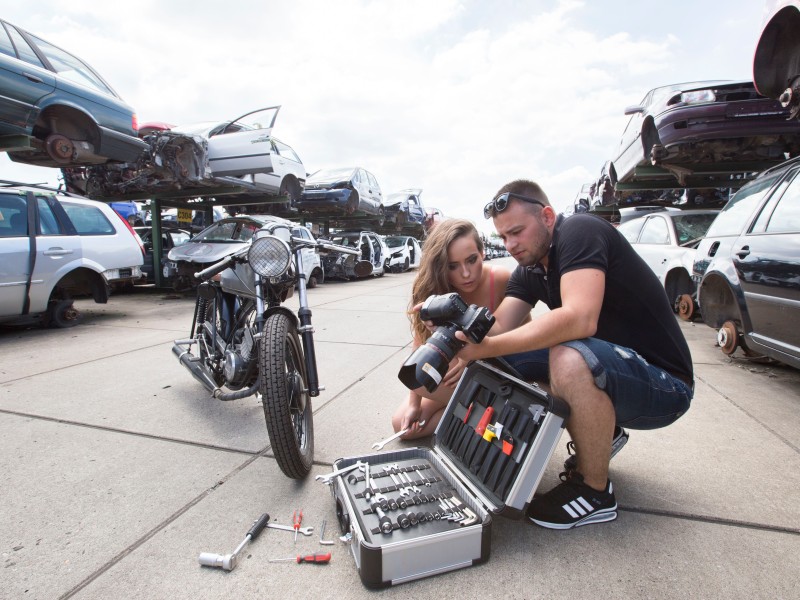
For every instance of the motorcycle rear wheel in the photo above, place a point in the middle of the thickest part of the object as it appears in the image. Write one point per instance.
(287, 404)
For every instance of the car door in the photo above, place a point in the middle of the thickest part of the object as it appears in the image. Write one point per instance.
(56, 249)
(656, 244)
(245, 146)
(374, 190)
(767, 261)
(416, 214)
(24, 80)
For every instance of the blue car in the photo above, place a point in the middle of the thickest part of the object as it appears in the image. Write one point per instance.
(342, 192)
(55, 110)
(404, 210)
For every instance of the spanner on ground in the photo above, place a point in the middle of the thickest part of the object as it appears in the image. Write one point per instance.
(302, 530)
(380, 445)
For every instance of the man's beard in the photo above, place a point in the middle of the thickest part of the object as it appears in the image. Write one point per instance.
(540, 251)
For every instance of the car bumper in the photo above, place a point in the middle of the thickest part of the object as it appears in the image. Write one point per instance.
(324, 200)
(723, 121)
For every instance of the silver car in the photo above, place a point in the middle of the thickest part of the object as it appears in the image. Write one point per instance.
(222, 239)
(54, 248)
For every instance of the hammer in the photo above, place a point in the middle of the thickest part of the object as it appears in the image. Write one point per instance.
(229, 561)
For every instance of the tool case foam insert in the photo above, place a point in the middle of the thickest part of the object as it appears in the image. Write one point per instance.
(399, 534)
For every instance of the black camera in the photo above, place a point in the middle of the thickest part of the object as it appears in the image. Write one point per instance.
(428, 364)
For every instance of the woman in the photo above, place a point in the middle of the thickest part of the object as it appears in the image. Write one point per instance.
(452, 261)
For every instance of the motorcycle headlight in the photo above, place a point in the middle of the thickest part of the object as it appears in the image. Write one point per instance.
(269, 256)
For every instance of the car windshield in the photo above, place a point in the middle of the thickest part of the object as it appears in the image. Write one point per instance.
(331, 174)
(228, 231)
(394, 241)
(737, 212)
(692, 227)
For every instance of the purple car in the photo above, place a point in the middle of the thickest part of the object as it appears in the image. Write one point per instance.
(702, 134)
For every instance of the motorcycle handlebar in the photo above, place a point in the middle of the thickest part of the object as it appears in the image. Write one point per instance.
(218, 267)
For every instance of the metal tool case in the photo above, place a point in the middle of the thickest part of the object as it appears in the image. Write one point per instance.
(422, 511)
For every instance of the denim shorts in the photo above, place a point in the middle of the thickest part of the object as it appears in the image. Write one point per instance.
(644, 396)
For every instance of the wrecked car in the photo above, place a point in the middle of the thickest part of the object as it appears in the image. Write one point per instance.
(373, 249)
(776, 62)
(404, 210)
(702, 134)
(747, 271)
(55, 110)
(350, 192)
(239, 159)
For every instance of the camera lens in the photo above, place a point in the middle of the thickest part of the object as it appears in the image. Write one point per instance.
(428, 365)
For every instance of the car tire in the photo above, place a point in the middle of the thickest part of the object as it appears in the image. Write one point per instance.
(406, 264)
(62, 314)
(352, 203)
(315, 278)
(381, 216)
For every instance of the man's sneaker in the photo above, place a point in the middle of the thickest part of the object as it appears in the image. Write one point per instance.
(620, 439)
(572, 504)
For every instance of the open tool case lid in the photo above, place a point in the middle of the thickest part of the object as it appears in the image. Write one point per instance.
(497, 435)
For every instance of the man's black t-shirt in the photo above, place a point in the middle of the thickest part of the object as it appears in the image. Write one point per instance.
(635, 311)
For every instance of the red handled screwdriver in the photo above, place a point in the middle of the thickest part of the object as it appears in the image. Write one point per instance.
(319, 558)
(296, 521)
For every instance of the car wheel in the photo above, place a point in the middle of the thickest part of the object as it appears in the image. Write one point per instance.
(728, 337)
(352, 203)
(406, 264)
(685, 307)
(315, 278)
(62, 314)
(381, 216)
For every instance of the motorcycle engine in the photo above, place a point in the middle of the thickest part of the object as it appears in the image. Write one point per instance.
(240, 362)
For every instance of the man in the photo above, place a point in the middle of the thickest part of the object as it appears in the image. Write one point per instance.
(610, 344)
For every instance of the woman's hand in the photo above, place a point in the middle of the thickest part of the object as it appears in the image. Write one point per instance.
(410, 419)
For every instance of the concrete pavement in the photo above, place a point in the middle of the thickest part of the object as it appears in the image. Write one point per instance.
(119, 470)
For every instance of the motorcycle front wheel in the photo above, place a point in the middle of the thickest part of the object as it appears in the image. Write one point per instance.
(287, 404)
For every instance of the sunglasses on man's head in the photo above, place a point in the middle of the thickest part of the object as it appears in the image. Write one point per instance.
(500, 203)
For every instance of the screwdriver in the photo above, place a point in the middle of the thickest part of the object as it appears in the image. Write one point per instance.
(320, 558)
(296, 521)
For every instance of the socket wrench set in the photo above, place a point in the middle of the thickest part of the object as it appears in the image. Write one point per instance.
(417, 512)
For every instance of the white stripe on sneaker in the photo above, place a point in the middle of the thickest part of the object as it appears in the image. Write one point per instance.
(578, 507)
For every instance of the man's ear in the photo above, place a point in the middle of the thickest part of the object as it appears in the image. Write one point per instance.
(549, 214)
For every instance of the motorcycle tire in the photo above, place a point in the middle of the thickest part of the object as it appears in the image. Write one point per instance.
(287, 404)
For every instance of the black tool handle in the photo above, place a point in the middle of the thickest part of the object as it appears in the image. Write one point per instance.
(258, 526)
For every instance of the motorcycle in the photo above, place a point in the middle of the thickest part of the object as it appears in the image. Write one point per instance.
(246, 342)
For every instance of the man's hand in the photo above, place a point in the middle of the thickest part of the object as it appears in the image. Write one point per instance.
(471, 351)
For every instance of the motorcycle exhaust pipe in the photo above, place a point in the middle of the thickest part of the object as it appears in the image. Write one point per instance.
(181, 349)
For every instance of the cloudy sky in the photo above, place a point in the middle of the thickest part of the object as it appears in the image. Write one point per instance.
(456, 97)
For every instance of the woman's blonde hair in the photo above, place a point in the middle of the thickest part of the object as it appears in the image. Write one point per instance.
(432, 275)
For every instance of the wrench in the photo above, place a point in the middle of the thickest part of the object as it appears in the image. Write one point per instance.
(303, 530)
(380, 445)
(327, 478)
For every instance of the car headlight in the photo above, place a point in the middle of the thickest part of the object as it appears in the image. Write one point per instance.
(698, 97)
(269, 256)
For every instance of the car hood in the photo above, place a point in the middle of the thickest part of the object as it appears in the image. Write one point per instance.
(204, 252)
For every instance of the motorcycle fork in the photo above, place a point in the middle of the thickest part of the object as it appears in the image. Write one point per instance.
(306, 329)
